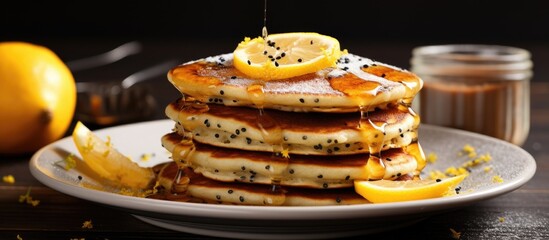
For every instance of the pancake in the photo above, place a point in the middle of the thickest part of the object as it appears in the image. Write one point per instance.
(297, 141)
(356, 84)
(193, 187)
(298, 133)
(232, 165)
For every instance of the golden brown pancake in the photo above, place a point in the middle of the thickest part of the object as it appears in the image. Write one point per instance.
(193, 187)
(335, 171)
(297, 141)
(298, 133)
(357, 84)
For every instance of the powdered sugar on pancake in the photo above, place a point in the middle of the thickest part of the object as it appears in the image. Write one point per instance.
(313, 86)
(348, 63)
(223, 59)
(317, 85)
(351, 63)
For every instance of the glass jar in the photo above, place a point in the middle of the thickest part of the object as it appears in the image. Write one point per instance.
(478, 88)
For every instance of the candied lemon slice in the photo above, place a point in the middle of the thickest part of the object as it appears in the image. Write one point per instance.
(382, 191)
(108, 162)
(286, 55)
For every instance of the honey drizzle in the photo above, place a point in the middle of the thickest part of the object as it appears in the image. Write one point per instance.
(416, 151)
(264, 33)
(183, 150)
(373, 137)
(190, 105)
(405, 104)
(256, 94)
(180, 182)
(181, 155)
(271, 132)
(364, 80)
(376, 145)
(268, 127)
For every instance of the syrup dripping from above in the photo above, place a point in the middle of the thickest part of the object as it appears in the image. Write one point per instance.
(264, 33)
(368, 129)
(271, 132)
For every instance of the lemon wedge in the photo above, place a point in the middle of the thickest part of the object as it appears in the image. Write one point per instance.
(108, 162)
(286, 55)
(382, 191)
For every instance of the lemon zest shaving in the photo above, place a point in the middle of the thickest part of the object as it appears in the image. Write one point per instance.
(455, 234)
(28, 199)
(69, 162)
(473, 161)
(108, 142)
(431, 158)
(469, 150)
(501, 219)
(285, 153)
(139, 193)
(436, 174)
(87, 224)
(485, 157)
(456, 171)
(146, 157)
(88, 147)
(246, 40)
(8, 179)
(497, 179)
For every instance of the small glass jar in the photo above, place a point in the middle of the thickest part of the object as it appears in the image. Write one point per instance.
(478, 88)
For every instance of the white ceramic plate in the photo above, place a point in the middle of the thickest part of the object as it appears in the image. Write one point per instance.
(513, 164)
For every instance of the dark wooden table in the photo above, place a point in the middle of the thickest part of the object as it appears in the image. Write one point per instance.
(59, 216)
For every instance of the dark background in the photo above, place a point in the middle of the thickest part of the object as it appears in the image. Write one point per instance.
(387, 20)
(193, 29)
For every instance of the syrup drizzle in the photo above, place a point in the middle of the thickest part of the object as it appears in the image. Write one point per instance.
(368, 129)
(416, 151)
(365, 79)
(264, 33)
(256, 94)
(270, 130)
(183, 151)
(180, 155)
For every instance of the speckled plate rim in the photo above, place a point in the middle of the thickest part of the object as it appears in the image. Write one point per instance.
(145, 138)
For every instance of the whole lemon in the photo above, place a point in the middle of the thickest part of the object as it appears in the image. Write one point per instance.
(37, 97)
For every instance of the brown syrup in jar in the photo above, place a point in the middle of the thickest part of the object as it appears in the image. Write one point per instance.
(478, 88)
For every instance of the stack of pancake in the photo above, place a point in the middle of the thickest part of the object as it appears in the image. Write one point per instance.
(297, 141)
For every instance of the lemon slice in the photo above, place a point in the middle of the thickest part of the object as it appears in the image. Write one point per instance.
(382, 191)
(108, 162)
(286, 55)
